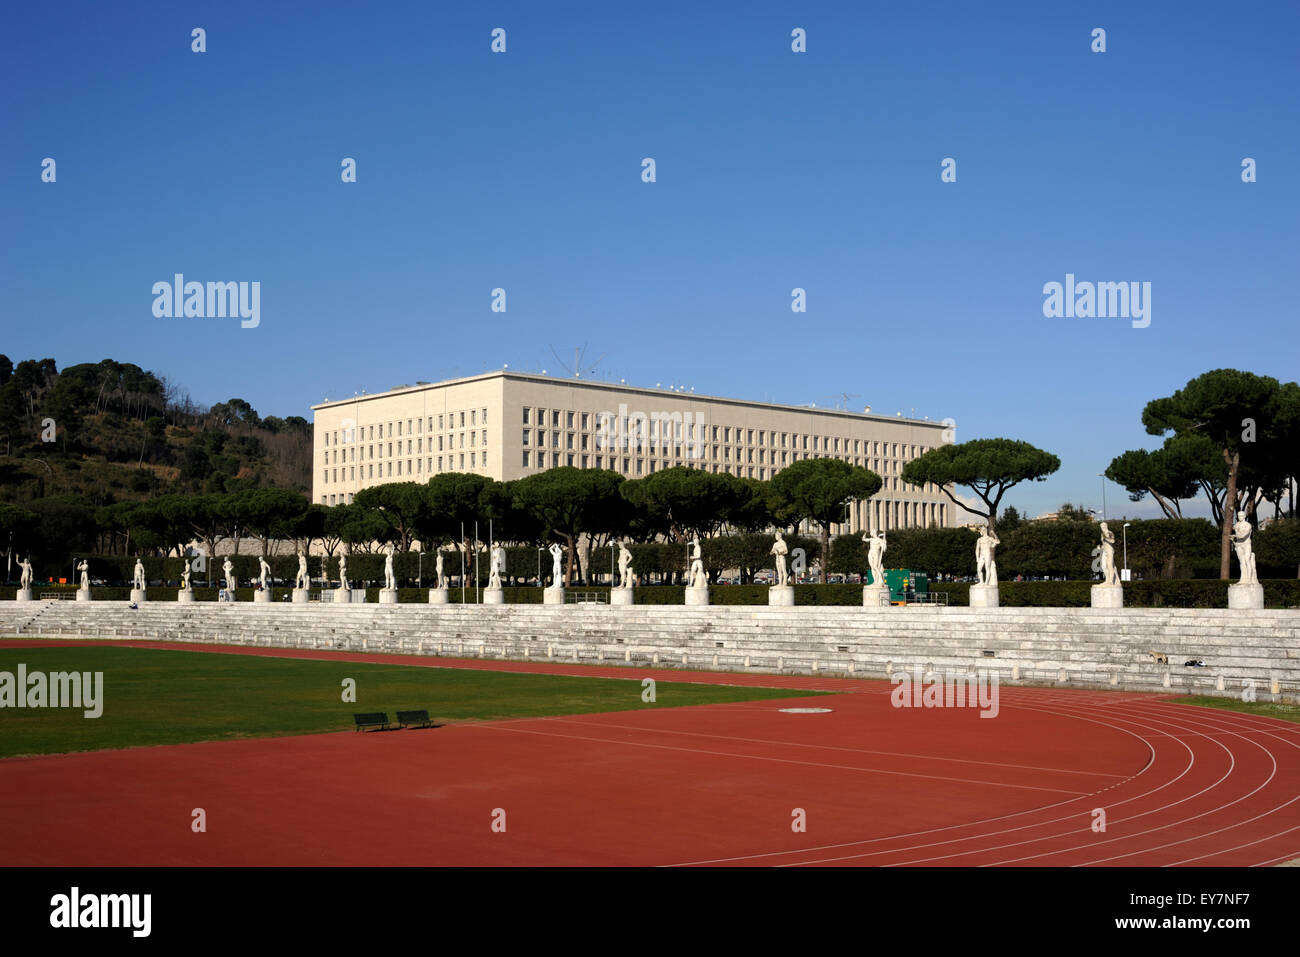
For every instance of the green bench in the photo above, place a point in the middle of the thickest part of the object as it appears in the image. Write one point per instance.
(372, 719)
(415, 719)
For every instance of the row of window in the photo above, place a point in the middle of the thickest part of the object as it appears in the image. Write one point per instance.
(477, 460)
(629, 465)
(366, 433)
(661, 428)
(571, 441)
(413, 447)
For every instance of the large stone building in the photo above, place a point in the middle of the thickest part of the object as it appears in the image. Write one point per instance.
(506, 425)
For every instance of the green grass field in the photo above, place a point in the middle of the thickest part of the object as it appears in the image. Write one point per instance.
(1265, 709)
(155, 697)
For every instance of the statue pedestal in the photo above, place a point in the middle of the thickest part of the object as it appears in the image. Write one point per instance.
(388, 596)
(697, 596)
(781, 596)
(83, 594)
(185, 594)
(137, 595)
(984, 596)
(622, 596)
(1242, 595)
(494, 596)
(24, 594)
(263, 595)
(337, 596)
(553, 595)
(875, 596)
(1107, 596)
(301, 596)
(437, 596)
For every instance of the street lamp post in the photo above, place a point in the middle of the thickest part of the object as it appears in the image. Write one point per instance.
(539, 566)
(419, 567)
(1126, 571)
(613, 550)
(1102, 476)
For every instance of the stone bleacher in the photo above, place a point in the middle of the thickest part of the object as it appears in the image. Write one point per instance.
(1054, 646)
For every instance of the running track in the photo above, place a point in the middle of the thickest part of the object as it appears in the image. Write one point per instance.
(710, 785)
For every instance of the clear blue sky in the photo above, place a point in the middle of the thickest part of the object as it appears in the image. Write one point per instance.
(775, 170)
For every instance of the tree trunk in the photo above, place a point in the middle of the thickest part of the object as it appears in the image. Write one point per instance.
(1229, 514)
(826, 550)
(568, 565)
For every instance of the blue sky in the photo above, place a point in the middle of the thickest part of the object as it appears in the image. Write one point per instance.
(775, 170)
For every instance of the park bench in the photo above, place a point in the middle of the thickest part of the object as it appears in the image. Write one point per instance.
(416, 719)
(372, 719)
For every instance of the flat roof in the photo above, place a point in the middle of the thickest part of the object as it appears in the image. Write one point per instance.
(575, 382)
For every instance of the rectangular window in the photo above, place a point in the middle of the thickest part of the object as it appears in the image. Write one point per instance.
(526, 452)
(527, 434)
(584, 420)
(555, 460)
(526, 411)
(473, 417)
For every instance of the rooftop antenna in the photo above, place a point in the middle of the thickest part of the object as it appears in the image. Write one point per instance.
(580, 366)
(841, 399)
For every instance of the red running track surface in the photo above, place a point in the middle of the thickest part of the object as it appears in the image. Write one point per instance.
(716, 784)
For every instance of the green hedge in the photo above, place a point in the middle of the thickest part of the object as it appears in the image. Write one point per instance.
(1157, 593)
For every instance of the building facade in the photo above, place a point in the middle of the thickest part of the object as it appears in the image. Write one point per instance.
(506, 425)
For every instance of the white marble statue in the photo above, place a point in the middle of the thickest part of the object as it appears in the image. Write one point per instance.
(876, 546)
(26, 566)
(780, 549)
(625, 571)
(137, 580)
(986, 569)
(442, 579)
(1109, 576)
(390, 580)
(84, 568)
(1241, 532)
(343, 572)
(302, 579)
(557, 574)
(496, 565)
(263, 570)
(697, 577)
(185, 578)
(229, 570)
